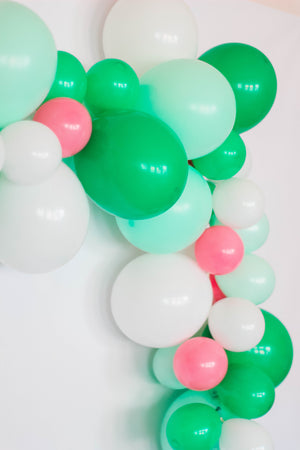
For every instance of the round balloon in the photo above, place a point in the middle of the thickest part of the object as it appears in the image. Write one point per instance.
(253, 279)
(70, 78)
(163, 368)
(134, 166)
(273, 354)
(237, 324)
(245, 170)
(238, 203)
(252, 78)
(179, 226)
(194, 99)
(32, 150)
(111, 84)
(224, 162)
(244, 434)
(42, 226)
(28, 60)
(161, 300)
(145, 33)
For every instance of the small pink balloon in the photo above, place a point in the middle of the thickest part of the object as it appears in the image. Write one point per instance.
(69, 120)
(219, 250)
(217, 293)
(200, 363)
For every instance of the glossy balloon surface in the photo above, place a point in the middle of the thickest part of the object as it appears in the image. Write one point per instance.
(134, 166)
(194, 99)
(273, 354)
(224, 162)
(70, 78)
(168, 297)
(247, 391)
(179, 226)
(163, 368)
(28, 60)
(194, 427)
(253, 279)
(252, 78)
(244, 434)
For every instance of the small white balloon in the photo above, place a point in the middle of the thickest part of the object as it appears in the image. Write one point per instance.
(32, 152)
(163, 368)
(236, 323)
(2, 152)
(238, 203)
(242, 434)
(145, 33)
(161, 300)
(42, 226)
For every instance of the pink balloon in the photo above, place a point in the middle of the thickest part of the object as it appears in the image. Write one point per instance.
(219, 250)
(69, 120)
(217, 293)
(200, 363)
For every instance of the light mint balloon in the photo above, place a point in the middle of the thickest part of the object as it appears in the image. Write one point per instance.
(179, 226)
(194, 99)
(253, 237)
(163, 368)
(28, 59)
(254, 279)
(209, 398)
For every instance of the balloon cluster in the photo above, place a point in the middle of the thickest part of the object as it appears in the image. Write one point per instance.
(153, 135)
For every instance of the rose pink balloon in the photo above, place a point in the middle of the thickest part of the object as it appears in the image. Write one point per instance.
(217, 293)
(219, 250)
(200, 363)
(69, 120)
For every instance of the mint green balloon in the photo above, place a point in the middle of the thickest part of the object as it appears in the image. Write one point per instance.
(179, 226)
(162, 365)
(28, 60)
(253, 279)
(194, 99)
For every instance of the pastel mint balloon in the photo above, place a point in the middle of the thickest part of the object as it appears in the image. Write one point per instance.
(27, 62)
(194, 99)
(179, 226)
(253, 279)
(162, 365)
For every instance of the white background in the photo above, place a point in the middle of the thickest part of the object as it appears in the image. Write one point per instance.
(68, 379)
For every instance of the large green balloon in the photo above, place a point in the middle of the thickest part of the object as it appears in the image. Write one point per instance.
(27, 62)
(134, 165)
(252, 78)
(178, 227)
(194, 427)
(112, 84)
(273, 354)
(225, 161)
(70, 79)
(247, 391)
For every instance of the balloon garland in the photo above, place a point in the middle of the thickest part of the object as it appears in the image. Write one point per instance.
(132, 123)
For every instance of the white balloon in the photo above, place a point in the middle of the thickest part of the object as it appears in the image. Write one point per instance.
(32, 152)
(242, 434)
(2, 152)
(42, 226)
(163, 368)
(161, 300)
(145, 33)
(236, 323)
(238, 203)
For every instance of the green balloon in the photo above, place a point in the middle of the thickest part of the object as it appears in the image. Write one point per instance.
(27, 62)
(70, 163)
(273, 354)
(70, 79)
(247, 391)
(178, 227)
(194, 427)
(134, 165)
(252, 78)
(225, 161)
(253, 279)
(111, 84)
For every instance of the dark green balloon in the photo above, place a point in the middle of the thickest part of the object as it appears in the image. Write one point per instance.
(70, 79)
(273, 354)
(252, 78)
(134, 165)
(111, 84)
(247, 391)
(194, 427)
(225, 161)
